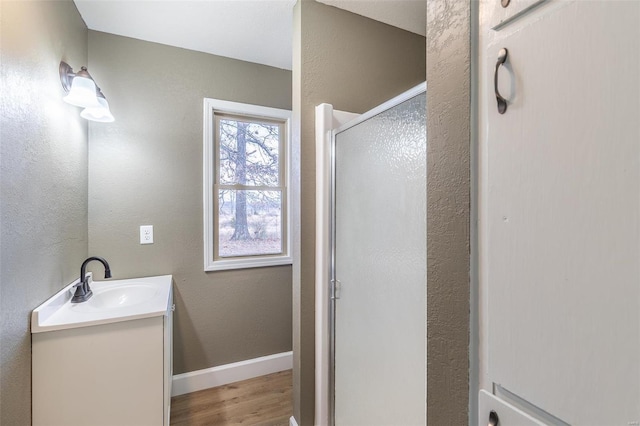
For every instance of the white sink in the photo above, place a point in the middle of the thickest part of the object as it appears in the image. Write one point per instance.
(112, 301)
(117, 296)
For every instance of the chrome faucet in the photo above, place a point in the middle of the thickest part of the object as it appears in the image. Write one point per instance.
(83, 291)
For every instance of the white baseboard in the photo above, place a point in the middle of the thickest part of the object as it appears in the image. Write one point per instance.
(224, 374)
(292, 421)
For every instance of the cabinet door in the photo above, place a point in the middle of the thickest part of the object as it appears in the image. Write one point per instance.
(168, 359)
(504, 11)
(563, 213)
(500, 413)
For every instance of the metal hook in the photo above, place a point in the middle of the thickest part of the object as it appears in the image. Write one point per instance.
(502, 102)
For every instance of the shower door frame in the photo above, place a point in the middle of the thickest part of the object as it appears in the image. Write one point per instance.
(325, 252)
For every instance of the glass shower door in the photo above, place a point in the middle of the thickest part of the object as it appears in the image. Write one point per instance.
(379, 266)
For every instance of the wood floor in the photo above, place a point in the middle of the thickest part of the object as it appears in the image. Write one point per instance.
(264, 401)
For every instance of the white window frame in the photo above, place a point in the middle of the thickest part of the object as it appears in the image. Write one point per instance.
(211, 107)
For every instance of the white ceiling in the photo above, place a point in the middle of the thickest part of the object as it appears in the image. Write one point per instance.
(257, 31)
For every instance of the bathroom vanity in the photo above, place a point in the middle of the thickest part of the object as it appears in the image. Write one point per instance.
(106, 361)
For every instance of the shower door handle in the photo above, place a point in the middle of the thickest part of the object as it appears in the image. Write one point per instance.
(502, 102)
(335, 289)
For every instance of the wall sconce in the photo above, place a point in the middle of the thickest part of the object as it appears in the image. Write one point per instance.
(83, 92)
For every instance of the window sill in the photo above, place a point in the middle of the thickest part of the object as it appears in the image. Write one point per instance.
(223, 265)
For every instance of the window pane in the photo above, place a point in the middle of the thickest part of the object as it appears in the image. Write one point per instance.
(249, 152)
(249, 222)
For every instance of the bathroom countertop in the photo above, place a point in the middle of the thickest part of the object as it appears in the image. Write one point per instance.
(113, 301)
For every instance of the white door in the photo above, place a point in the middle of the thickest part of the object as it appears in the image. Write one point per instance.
(560, 212)
(380, 263)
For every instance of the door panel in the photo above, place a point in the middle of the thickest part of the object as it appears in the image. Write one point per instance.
(563, 214)
(505, 413)
(514, 9)
(380, 261)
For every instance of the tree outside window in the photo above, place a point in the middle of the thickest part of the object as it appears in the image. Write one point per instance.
(246, 154)
(249, 191)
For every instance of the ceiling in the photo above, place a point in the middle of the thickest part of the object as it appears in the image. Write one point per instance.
(259, 31)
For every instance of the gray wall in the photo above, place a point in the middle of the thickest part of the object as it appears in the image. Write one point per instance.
(43, 180)
(448, 204)
(146, 169)
(355, 64)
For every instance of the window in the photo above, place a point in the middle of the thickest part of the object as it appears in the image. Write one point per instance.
(246, 181)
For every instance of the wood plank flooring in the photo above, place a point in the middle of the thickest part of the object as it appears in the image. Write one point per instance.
(263, 401)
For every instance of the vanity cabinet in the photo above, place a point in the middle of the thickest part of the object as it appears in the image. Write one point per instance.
(113, 373)
(559, 212)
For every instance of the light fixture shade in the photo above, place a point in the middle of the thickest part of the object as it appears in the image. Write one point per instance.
(82, 93)
(100, 113)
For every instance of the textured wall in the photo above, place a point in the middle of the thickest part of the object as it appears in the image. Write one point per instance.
(43, 180)
(355, 64)
(146, 169)
(448, 189)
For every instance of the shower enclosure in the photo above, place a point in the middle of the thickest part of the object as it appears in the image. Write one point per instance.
(373, 272)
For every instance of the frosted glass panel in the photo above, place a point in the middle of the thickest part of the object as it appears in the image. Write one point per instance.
(380, 249)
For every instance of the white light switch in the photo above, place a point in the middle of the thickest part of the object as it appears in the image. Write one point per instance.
(146, 234)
